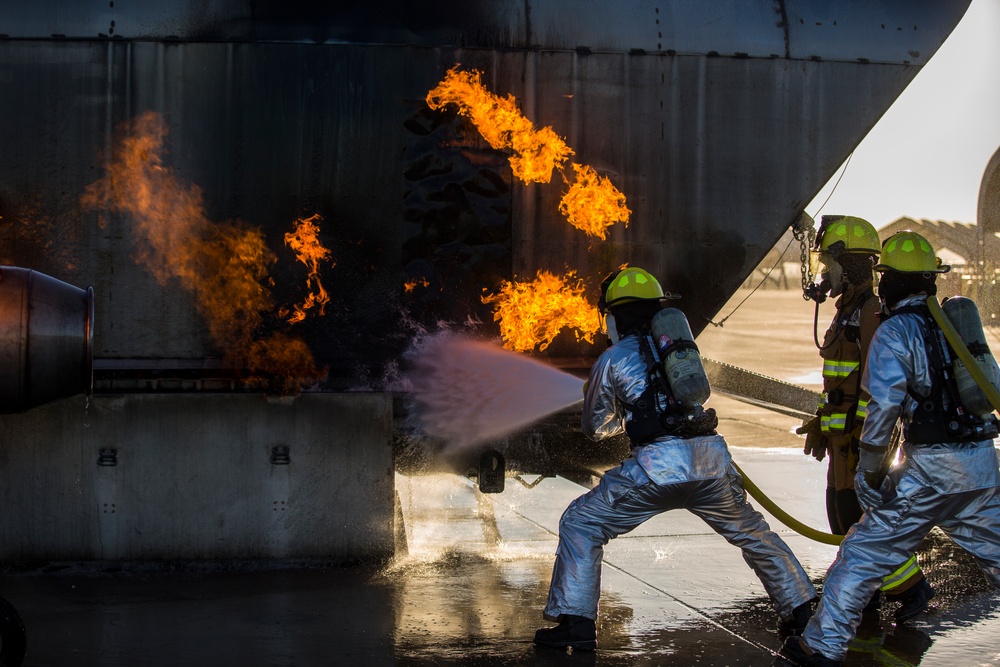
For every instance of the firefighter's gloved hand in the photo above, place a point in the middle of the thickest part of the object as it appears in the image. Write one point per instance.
(868, 497)
(815, 442)
(870, 464)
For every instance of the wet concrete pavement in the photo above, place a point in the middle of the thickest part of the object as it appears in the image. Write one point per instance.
(471, 589)
(471, 586)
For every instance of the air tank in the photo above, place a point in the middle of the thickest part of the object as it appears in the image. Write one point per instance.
(46, 339)
(964, 316)
(681, 361)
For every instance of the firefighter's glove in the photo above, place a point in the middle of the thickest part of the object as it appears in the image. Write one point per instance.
(815, 442)
(869, 498)
(870, 464)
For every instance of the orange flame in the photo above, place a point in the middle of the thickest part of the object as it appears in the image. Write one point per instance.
(533, 313)
(308, 250)
(222, 264)
(411, 285)
(593, 203)
(536, 152)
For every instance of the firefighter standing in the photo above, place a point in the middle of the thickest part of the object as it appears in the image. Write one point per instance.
(848, 247)
(677, 461)
(948, 475)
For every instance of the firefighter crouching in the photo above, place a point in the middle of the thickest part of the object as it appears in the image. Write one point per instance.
(847, 248)
(646, 384)
(948, 474)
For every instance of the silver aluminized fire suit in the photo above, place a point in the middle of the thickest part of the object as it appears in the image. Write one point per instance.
(695, 474)
(950, 485)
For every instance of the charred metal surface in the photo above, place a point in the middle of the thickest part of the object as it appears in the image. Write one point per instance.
(719, 122)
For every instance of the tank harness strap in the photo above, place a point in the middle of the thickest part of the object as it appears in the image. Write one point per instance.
(939, 417)
(644, 424)
(859, 411)
(648, 420)
(844, 420)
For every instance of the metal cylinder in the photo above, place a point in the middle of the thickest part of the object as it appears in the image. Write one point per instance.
(46, 339)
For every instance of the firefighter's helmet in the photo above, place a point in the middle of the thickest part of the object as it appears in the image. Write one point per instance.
(909, 252)
(857, 234)
(633, 284)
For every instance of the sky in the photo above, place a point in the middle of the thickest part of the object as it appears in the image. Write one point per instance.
(926, 156)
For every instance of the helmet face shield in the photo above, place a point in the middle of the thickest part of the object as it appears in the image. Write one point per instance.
(819, 262)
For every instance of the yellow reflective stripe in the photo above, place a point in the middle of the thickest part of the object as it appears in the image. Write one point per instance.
(837, 368)
(904, 572)
(861, 411)
(834, 422)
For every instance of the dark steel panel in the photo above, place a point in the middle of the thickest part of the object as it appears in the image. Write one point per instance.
(717, 155)
(895, 31)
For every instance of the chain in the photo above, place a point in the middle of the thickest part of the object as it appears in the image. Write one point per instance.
(804, 233)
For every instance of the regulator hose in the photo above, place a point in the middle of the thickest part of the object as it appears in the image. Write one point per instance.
(783, 516)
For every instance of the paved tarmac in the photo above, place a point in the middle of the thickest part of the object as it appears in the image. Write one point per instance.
(470, 588)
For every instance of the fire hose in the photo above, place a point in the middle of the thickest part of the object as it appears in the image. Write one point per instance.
(783, 516)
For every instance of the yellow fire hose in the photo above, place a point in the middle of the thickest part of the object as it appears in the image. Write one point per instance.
(974, 370)
(784, 517)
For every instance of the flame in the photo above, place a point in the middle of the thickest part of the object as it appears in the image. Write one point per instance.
(308, 250)
(593, 203)
(533, 313)
(221, 264)
(411, 285)
(536, 152)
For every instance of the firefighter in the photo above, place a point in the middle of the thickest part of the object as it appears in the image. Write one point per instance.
(948, 473)
(677, 461)
(848, 248)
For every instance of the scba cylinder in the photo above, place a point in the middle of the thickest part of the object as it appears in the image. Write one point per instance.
(681, 361)
(964, 316)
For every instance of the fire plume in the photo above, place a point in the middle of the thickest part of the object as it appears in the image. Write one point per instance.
(222, 264)
(536, 151)
(533, 313)
(308, 250)
(593, 203)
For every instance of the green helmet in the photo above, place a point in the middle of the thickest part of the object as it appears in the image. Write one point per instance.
(858, 235)
(633, 284)
(909, 252)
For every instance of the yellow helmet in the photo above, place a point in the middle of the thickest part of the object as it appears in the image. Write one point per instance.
(633, 284)
(909, 252)
(858, 235)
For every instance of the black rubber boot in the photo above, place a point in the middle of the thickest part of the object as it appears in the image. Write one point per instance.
(793, 652)
(874, 605)
(796, 623)
(914, 601)
(576, 632)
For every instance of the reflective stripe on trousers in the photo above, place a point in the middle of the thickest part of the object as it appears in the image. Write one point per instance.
(888, 535)
(904, 572)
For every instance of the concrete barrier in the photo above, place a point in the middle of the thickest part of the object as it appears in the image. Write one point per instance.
(199, 476)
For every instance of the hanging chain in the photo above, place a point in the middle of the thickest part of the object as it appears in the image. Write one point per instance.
(802, 230)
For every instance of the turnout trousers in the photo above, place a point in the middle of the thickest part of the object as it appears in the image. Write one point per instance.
(626, 497)
(885, 537)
